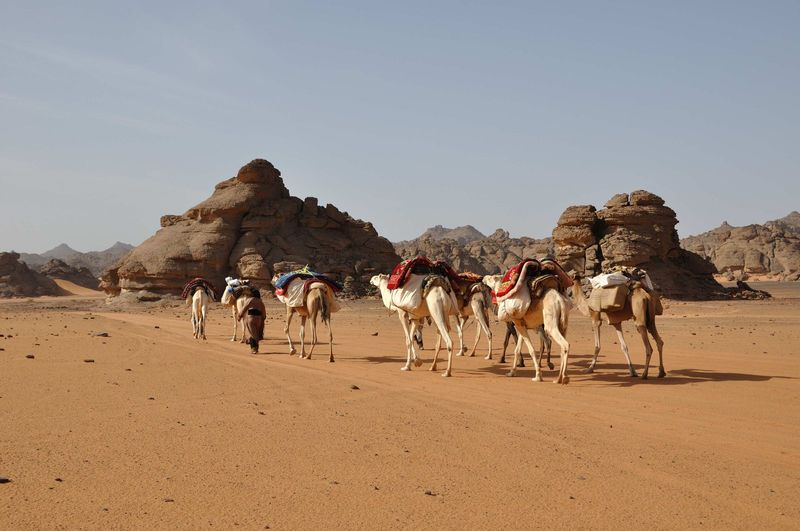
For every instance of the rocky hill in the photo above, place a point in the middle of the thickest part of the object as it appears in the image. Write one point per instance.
(94, 261)
(249, 224)
(488, 255)
(634, 229)
(770, 251)
(81, 276)
(462, 235)
(18, 280)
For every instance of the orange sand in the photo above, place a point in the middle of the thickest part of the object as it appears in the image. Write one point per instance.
(162, 431)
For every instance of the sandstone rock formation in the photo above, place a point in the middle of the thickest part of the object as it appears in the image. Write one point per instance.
(768, 251)
(634, 229)
(18, 280)
(249, 224)
(81, 276)
(489, 255)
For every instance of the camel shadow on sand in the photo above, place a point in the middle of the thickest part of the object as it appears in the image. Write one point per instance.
(617, 373)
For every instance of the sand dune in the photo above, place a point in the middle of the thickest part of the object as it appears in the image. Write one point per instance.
(164, 431)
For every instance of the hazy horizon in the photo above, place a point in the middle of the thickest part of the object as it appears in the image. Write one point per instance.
(406, 115)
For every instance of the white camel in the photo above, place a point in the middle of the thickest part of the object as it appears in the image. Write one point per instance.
(229, 299)
(199, 302)
(437, 303)
(551, 309)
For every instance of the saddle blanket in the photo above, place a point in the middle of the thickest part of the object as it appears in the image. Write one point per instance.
(198, 283)
(408, 297)
(304, 273)
(294, 295)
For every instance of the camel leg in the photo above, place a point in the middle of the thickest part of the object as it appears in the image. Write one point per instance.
(482, 317)
(648, 349)
(330, 340)
(547, 345)
(303, 319)
(596, 332)
(312, 323)
(624, 346)
(407, 336)
(506, 339)
(436, 350)
(522, 332)
(554, 331)
(460, 323)
(416, 330)
(289, 314)
(235, 321)
(660, 347)
(478, 330)
(203, 321)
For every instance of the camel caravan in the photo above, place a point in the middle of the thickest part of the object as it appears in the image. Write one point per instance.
(533, 295)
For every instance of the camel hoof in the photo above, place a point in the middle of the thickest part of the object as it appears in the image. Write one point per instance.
(488, 357)
(510, 374)
(662, 374)
(405, 368)
(460, 354)
(502, 360)
(565, 380)
(635, 374)
(472, 355)
(292, 352)
(588, 370)
(418, 362)
(537, 378)
(644, 377)
(331, 360)
(446, 375)
(551, 365)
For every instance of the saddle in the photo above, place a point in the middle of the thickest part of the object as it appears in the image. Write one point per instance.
(434, 280)
(307, 274)
(198, 283)
(538, 286)
(248, 291)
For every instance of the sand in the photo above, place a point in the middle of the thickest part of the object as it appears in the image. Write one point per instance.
(162, 431)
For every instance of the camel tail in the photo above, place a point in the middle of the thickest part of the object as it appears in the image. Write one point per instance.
(325, 307)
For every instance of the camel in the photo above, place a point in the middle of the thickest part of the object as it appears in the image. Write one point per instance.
(550, 310)
(199, 301)
(477, 304)
(437, 303)
(318, 302)
(229, 299)
(640, 307)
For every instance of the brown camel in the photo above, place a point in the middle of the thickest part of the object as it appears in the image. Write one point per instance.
(641, 307)
(319, 301)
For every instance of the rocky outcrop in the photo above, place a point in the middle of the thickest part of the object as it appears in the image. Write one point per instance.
(59, 269)
(770, 251)
(18, 280)
(249, 224)
(634, 229)
(487, 256)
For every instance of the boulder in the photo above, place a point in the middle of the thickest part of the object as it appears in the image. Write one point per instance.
(249, 224)
(635, 229)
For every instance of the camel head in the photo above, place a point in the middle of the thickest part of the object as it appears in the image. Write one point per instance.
(493, 281)
(377, 280)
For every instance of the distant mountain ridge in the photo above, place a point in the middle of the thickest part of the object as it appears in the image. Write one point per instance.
(769, 251)
(94, 261)
(463, 234)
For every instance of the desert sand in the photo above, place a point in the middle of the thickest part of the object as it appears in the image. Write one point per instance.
(162, 431)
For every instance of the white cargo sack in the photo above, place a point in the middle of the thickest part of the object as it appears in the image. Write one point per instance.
(514, 307)
(293, 293)
(606, 280)
(408, 297)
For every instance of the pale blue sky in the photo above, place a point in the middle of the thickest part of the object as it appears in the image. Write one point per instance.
(407, 114)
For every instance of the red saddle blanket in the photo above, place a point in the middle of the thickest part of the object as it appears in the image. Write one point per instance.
(198, 283)
(421, 265)
(511, 277)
